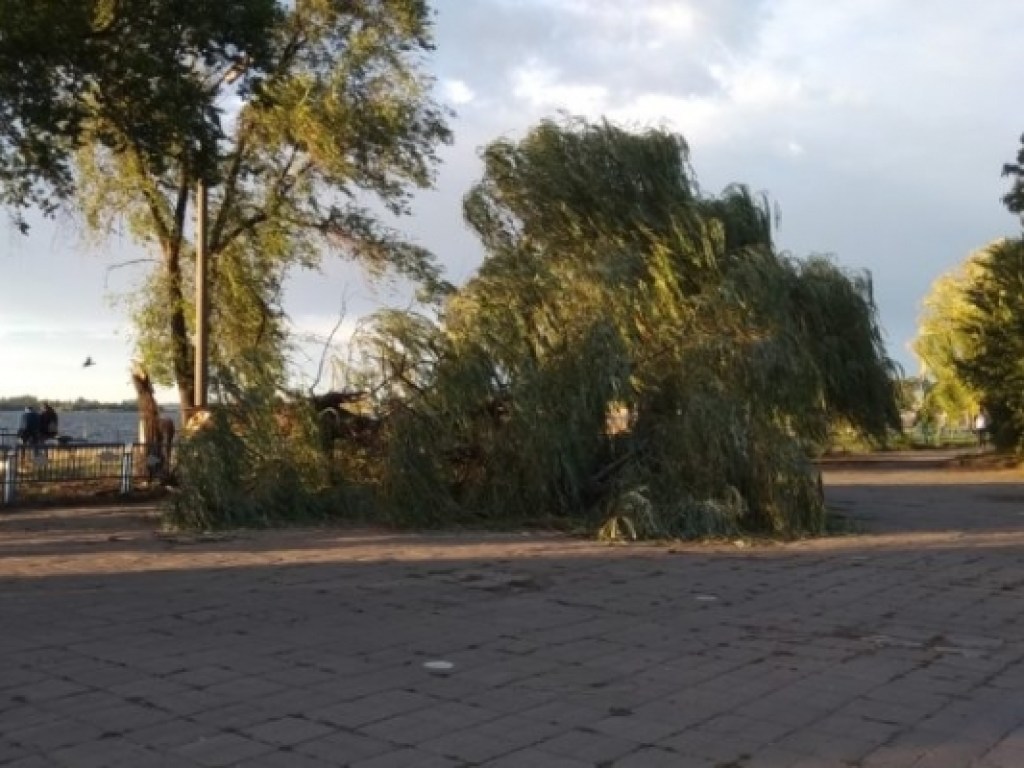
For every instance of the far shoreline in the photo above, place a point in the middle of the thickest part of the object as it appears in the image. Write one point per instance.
(13, 405)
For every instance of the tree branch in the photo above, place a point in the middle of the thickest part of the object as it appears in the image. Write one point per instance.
(327, 345)
(154, 201)
(230, 185)
(245, 226)
(121, 265)
(180, 209)
(220, 242)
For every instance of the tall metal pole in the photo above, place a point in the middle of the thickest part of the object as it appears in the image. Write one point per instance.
(202, 301)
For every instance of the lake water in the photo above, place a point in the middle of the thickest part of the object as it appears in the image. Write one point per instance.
(93, 426)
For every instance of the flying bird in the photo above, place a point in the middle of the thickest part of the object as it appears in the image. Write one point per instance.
(88, 362)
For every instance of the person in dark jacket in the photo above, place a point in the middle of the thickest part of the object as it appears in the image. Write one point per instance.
(48, 423)
(29, 426)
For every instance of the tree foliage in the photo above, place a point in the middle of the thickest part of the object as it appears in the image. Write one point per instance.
(971, 339)
(133, 62)
(942, 342)
(611, 283)
(992, 360)
(1014, 199)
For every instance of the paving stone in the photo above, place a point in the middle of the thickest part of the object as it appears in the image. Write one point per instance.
(185, 702)
(897, 646)
(342, 747)
(407, 729)
(10, 752)
(47, 689)
(222, 749)
(584, 745)
(203, 677)
(169, 734)
(27, 716)
(288, 731)
(244, 689)
(468, 746)
(655, 757)
(534, 758)
(32, 761)
(407, 758)
(55, 734)
(124, 717)
(107, 753)
(290, 759)
(636, 728)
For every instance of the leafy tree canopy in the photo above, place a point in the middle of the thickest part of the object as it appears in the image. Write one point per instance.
(1014, 199)
(971, 340)
(991, 360)
(942, 341)
(132, 62)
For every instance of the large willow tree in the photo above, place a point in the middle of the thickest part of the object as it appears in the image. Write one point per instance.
(296, 115)
(612, 285)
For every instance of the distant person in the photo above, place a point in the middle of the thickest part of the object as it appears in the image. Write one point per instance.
(29, 426)
(48, 423)
(981, 428)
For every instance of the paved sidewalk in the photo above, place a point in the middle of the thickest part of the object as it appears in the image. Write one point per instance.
(901, 646)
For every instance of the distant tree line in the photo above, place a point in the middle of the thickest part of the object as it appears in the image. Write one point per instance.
(20, 402)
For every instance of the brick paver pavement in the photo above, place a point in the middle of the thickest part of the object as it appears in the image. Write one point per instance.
(899, 646)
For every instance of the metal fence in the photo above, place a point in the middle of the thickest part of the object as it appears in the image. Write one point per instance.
(34, 471)
(8, 439)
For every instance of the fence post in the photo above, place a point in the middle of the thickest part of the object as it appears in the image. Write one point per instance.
(10, 475)
(126, 469)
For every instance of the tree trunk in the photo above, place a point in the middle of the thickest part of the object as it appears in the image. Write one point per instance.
(149, 411)
(181, 346)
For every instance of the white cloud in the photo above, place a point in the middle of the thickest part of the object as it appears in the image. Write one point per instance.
(542, 89)
(696, 118)
(457, 92)
(758, 86)
(745, 97)
(660, 21)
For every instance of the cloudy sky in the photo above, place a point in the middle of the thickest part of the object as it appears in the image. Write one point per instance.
(878, 126)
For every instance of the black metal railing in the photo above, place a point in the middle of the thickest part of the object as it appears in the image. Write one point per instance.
(8, 439)
(76, 467)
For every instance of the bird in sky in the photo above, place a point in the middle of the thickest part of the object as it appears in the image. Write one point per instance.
(88, 362)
